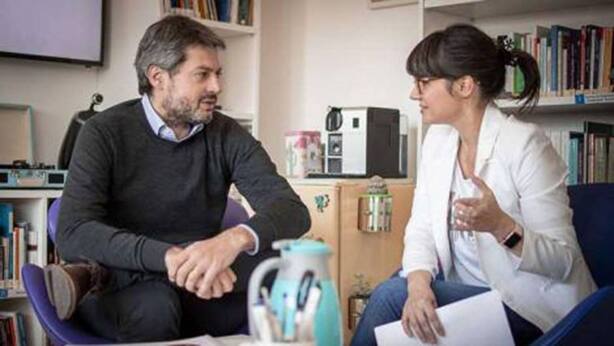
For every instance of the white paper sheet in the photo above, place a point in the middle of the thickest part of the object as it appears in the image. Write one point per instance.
(478, 320)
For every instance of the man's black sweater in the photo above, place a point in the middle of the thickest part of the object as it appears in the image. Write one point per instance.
(131, 195)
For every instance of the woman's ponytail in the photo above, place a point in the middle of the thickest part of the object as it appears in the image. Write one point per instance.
(530, 70)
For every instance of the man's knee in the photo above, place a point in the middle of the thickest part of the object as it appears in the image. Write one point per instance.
(156, 317)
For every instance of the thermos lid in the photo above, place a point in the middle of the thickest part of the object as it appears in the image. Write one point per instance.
(302, 246)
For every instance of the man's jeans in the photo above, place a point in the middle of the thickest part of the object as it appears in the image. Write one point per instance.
(387, 300)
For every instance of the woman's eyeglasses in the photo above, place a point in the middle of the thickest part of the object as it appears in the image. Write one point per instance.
(422, 83)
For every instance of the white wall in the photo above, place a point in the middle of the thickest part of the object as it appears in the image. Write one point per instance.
(317, 53)
(57, 90)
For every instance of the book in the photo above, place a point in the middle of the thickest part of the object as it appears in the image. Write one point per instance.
(243, 15)
(594, 33)
(562, 38)
(574, 163)
(234, 11)
(32, 247)
(11, 261)
(601, 58)
(213, 10)
(6, 219)
(5, 262)
(591, 129)
(12, 326)
(554, 54)
(583, 59)
(223, 10)
(607, 59)
(573, 61)
(540, 43)
(541, 35)
(4, 337)
(518, 75)
(21, 327)
(16, 258)
(601, 158)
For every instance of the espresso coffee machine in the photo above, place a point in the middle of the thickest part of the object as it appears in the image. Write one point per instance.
(362, 142)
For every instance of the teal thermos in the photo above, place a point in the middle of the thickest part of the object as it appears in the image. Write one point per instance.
(303, 296)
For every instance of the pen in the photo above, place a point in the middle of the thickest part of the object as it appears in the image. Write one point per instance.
(276, 328)
(262, 323)
(288, 323)
(302, 294)
(308, 315)
(264, 292)
(303, 288)
(283, 313)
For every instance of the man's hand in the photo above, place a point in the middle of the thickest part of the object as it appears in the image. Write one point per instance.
(171, 259)
(222, 283)
(202, 267)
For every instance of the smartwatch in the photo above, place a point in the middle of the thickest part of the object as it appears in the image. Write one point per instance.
(512, 238)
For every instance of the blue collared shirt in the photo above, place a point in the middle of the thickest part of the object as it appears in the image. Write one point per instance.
(160, 129)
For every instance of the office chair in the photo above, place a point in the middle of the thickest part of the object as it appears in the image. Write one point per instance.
(590, 323)
(71, 331)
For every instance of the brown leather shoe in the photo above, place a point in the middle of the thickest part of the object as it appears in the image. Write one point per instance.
(67, 284)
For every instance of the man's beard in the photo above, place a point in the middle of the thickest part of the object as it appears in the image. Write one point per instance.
(180, 111)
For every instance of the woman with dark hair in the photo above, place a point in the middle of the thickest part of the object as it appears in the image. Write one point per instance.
(490, 209)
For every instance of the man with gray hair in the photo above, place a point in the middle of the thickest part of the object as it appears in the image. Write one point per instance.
(140, 222)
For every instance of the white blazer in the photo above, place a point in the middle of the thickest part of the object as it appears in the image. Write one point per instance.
(518, 162)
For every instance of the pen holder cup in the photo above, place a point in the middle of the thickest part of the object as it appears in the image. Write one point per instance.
(375, 213)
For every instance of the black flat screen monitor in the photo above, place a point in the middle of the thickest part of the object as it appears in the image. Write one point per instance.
(57, 30)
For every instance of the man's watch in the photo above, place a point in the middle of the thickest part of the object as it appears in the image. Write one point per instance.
(512, 238)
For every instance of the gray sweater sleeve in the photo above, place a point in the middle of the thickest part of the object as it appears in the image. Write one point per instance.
(279, 212)
(85, 229)
(83, 233)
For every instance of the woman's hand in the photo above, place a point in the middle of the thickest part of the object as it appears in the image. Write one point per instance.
(419, 315)
(482, 214)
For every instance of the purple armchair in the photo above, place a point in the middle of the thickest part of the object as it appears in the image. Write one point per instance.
(72, 332)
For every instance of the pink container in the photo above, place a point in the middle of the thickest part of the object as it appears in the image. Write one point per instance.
(303, 153)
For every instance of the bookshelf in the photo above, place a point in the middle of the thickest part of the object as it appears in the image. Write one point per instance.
(240, 60)
(30, 206)
(561, 113)
(228, 30)
(575, 104)
(476, 9)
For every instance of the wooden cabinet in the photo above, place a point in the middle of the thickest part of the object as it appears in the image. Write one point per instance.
(333, 206)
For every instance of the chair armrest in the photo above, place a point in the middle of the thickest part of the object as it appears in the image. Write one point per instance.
(589, 323)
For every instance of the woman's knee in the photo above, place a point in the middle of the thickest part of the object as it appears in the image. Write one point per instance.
(390, 292)
(385, 305)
